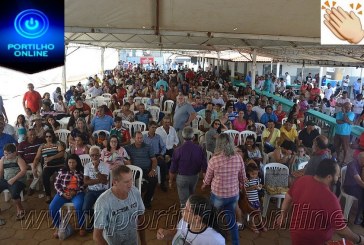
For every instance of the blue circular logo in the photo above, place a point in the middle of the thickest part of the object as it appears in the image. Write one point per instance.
(31, 23)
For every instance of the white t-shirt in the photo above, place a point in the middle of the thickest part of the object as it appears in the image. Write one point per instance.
(207, 237)
(328, 92)
(288, 80)
(358, 106)
(259, 110)
(340, 101)
(346, 82)
(89, 171)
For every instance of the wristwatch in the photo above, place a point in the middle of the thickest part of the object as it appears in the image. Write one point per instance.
(155, 171)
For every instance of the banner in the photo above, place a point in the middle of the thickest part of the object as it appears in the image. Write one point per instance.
(32, 34)
(146, 60)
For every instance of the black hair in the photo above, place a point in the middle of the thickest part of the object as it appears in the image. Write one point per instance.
(202, 207)
(79, 167)
(289, 145)
(54, 137)
(251, 168)
(326, 167)
(118, 119)
(320, 143)
(108, 142)
(9, 148)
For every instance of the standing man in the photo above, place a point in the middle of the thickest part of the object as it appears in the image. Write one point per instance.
(28, 150)
(32, 99)
(119, 211)
(183, 115)
(344, 120)
(288, 78)
(2, 109)
(356, 87)
(142, 155)
(314, 221)
(187, 162)
(159, 148)
(328, 91)
(346, 82)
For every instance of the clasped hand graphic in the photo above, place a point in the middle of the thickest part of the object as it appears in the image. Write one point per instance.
(343, 25)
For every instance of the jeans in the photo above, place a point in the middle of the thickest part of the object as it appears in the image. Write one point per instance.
(163, 169)
(227, 205)
(88, 203)
(14, 189)
(186, 186)
(58, 202)
(46, 177)
(152, 183)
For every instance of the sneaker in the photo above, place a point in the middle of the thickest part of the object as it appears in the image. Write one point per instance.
(31, 191)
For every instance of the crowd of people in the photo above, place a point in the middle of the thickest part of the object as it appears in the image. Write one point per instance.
(173, 147)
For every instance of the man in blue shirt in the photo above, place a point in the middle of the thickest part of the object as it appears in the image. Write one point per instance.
(268, 115)
(143, 115)
(155, 141)
(4, 138)
(240, 106)
(101, 121)
(344, 120)
(356, 87)
(163, 83)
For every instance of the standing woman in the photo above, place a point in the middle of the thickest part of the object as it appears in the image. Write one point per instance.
(51, 157)
(21, 127)
(69, 186)
(212, 134)
(226, 174)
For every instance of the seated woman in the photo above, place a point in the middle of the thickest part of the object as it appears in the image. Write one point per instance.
(82, 130)
(52, 123)
(72, 122)
(126, 114)
(14, 169)
(301, 157)
(69, 186)
(240, 123)
(205, 123)
(61, 107)
(252, 150)
(200, 224)
(79, 147)
(38, 126)
(114, 154)
(354, 185)
(50, 155)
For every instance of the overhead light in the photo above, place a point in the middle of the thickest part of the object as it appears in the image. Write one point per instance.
(143, 27)
(235, 29)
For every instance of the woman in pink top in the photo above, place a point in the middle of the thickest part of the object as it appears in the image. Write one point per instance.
(114, 154)
(226, 174)
(79, 147)
(240, 123)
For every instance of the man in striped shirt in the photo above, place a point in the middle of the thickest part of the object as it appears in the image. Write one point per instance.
(28, 150)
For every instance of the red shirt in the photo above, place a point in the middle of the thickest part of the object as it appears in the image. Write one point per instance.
(280, 115)
(314, 92)
(316, 212)
(33, 100)
(121, 94)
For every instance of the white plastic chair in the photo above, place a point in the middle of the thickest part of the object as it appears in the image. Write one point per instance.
(106, 95)
(115, 112)
(62, 135)
(244, 134)
(267, 196)
(64, 122)
(139, 126)
(168, 107)
(7, 195)
(318, 129)
(154, 110)
(284, 120)
(260, 127)
(128, 125)
(234, 135)
(196, 124)
(302, 165)
(85, 158)
(138, 100)
(137, 182)
(349, 200)
(144, 100)
(208, 155)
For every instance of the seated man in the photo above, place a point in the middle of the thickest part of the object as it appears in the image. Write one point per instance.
(143, 115)
(96, 177)
(268, 115)
(121, 132)
(270, 136)
(289, 133)
(27, 150)
(142, 155)
(159, 148)
(13, 169)
(308, 134)
(101, 121)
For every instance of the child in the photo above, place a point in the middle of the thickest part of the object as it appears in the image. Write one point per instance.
(101, 140)
(301, 157)
(21, 128)
(252, 186)
(121, 133)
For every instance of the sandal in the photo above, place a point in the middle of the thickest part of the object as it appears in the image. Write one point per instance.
(20, 215)
(2, 222)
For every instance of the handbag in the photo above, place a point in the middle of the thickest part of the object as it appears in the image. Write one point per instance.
(65, 228)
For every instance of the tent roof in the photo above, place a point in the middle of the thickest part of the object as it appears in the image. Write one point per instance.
(284, 30)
